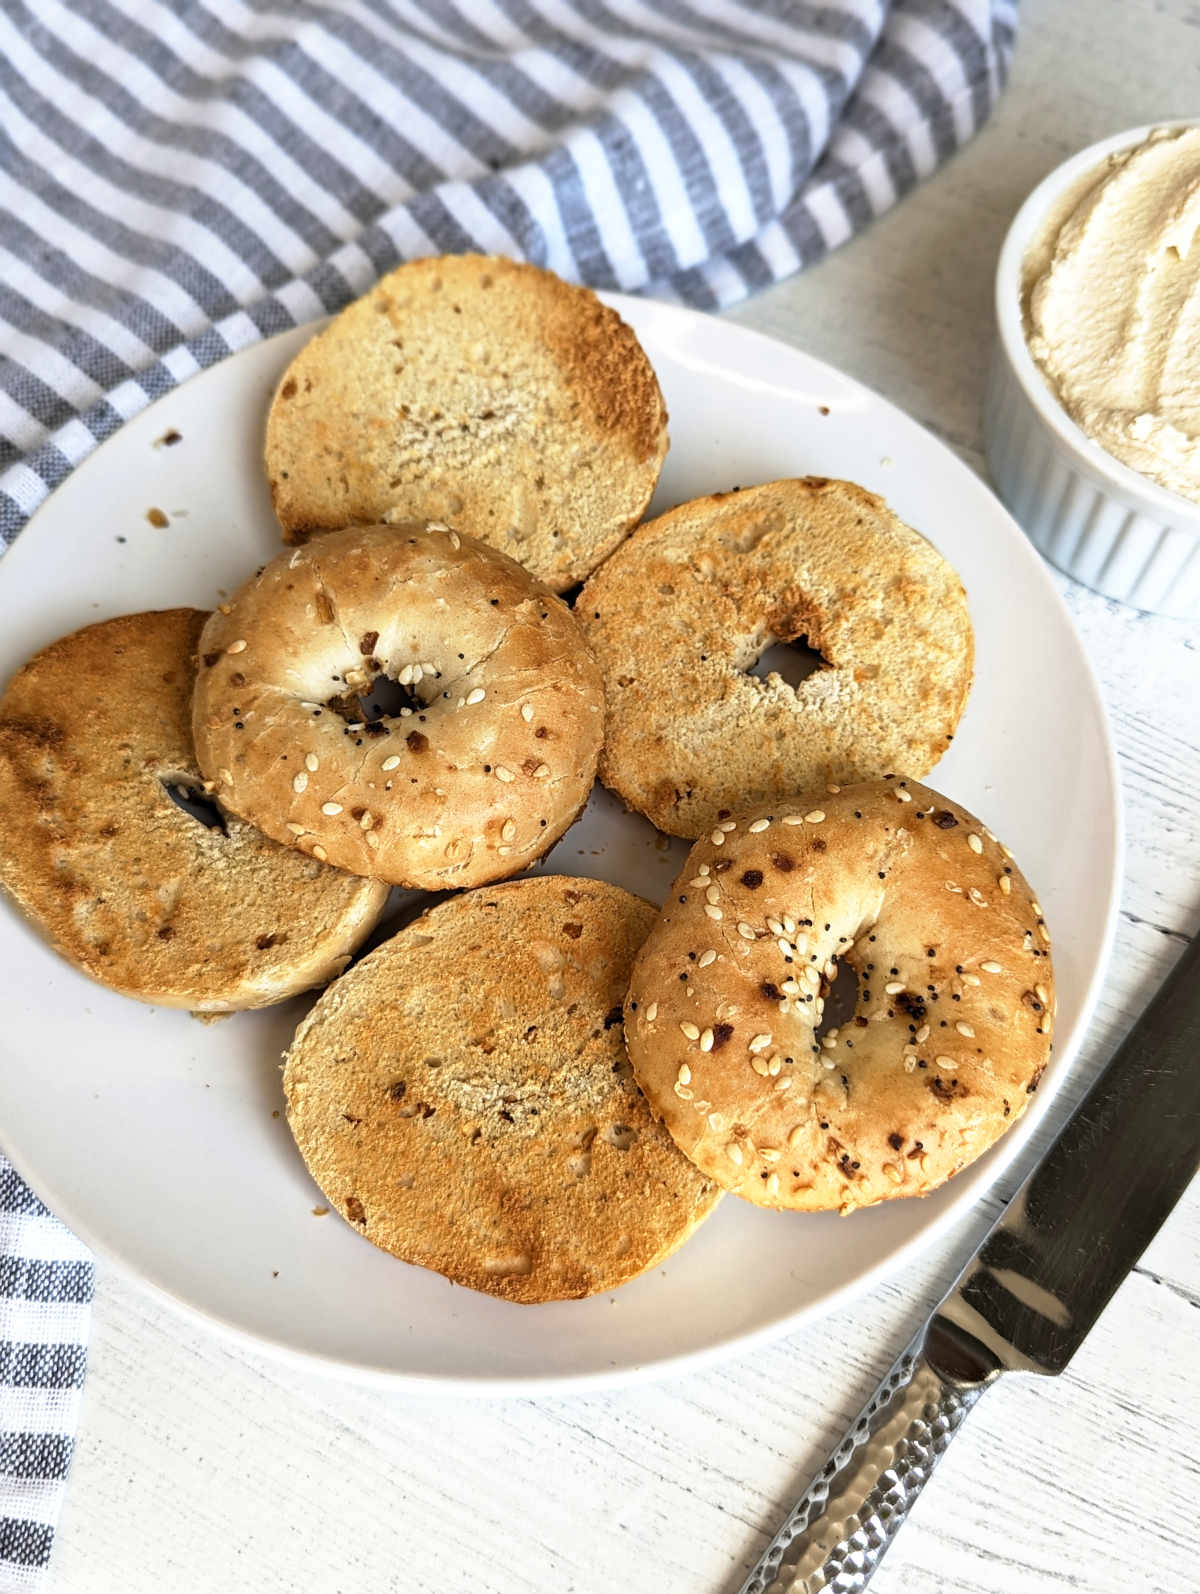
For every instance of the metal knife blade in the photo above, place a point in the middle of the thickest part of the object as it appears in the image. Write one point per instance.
(1049, 1267)
(1024, 1302)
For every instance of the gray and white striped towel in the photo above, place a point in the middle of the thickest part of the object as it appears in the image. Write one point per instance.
(179, 178)
(45, 1302)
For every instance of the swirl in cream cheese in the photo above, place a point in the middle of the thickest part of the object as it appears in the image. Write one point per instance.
(1112, 300)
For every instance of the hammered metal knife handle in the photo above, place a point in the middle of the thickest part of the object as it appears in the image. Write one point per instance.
(835, 1537)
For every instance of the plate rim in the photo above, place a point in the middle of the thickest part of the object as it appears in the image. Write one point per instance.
(999, 1156)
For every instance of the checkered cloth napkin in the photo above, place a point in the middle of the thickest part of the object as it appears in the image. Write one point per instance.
(179, 178)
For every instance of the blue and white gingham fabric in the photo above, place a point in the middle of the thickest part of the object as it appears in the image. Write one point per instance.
(179, 178)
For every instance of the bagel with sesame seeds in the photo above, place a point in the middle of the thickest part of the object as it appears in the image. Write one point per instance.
(686, 607)
(116, 856)
(478, 390)
(403, 702)
(463, 1099)
(952, 1022)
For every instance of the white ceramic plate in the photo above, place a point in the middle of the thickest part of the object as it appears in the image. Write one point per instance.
(159, 1139)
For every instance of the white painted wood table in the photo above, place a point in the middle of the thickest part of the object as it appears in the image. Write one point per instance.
(203, 1468)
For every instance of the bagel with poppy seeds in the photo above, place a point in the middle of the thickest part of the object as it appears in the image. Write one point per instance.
(684, 609)
(181, 906)
(463, 1097)
(488, 749)
(477, 390)
(952, 1023)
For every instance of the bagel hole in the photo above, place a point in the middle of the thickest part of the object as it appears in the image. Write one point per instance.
(385, 699)
(792, 661)
(841, 999)
(196, 804)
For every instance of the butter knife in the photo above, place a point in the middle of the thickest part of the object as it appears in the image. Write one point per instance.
(1024, 1302)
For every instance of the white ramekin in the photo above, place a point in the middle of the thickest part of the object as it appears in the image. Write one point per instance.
(1097, 519)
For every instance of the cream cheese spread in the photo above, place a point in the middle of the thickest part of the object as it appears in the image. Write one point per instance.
(1112, 307)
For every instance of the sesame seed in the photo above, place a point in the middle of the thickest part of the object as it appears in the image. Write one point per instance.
(815, 817)
(833, 790)
(758, 825)
(734, 1152)
(829, 1062)
(713, 911)
(706, 1040)
(405, 676)
(698, 881)
(784, 1082)
(504, 774)
(795, 1136)
(226, 775)
(682, 1092)
(541, 772)
(952, 886)
(692, 1031)
(312, 762)
(455, 540)
(651, 1013)
(789, 926)
(964, 1028)
(372, 841)
(706, 958)
(793, 819)
(774, 926)
(390, 763)
(786, 947)
(704, 869)
(774, 1066)
(715, 1122)
(747, 931)
(430, 669)
(894, 987)
(712, 894)
(944, 1062)
(991, 967)
(923, 1162)
(685, 1074)
(299, 782)
(977, 897)
(759, 1065)
(367, 821)
(527, 712)
(760, 1043)
(1004, 883)
(296, 830)
(974, 842)
(772, 1183)
(769, 1153)
(1041, 993)
(810, 976)
(717, 838)
(1037, 908)
(902, 795)
(237, 647)
(893, 1173)
(320, 854)
(331, 809)
(475, 695)
(910, 1062)
(727, 825)
(418, 670)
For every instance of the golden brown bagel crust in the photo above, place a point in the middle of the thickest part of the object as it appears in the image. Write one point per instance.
(463, 1096)
(955, 1005)
(681, 612)
(479, 391)
(476, 781)
(126, 886)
